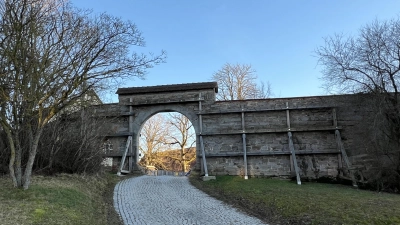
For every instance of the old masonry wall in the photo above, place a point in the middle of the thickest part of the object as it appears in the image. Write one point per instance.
(259, 127)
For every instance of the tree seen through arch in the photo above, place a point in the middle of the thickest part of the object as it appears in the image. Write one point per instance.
(167, 141)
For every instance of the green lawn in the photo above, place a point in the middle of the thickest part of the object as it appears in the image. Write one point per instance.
(62, 199)
(73, 199)
(285, 202)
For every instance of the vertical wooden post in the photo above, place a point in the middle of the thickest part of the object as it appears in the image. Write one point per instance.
(335, 124)
(287, 116)
(130, 129)
(203, 156)
(334, 117)
(291, 147)
(201, 139)
(201, 165)
(244, 147)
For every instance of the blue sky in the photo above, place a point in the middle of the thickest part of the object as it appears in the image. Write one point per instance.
(276, 37)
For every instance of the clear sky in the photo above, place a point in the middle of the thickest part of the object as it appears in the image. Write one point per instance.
(276, 37)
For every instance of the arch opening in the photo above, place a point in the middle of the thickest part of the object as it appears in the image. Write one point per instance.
(167, 141)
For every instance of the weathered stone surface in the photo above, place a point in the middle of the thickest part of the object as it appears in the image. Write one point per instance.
(265, 127)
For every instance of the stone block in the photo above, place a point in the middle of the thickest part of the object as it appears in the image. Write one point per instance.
(204, 178)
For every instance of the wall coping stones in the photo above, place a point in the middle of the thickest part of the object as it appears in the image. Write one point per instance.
(168, 88)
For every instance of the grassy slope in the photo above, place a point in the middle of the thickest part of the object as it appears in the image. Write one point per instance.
(284, 202)
(63, 199)
(71, 199)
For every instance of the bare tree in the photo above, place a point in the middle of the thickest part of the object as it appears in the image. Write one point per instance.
(167, 140)
(71, 143)
(154, 140)
(239, 82)
(370, 63)
(184, 137)
(51, 55)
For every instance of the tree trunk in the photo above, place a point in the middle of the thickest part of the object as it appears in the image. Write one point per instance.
(51, 158)
(31, 159)
(12, 158)
(18, 160)
(183, 160)
(11, 144)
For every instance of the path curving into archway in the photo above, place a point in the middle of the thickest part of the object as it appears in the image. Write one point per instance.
(172, 200)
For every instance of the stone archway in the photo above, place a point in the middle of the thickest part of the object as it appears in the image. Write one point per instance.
(143, 115)
(140, 103)
(259, 137)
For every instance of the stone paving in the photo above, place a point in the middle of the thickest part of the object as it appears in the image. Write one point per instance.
(172, 200)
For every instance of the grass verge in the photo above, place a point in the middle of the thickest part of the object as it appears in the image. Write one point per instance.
(60, 199)
(284, 202)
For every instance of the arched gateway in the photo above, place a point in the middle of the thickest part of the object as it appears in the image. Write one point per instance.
(266, 137)
(145, 102)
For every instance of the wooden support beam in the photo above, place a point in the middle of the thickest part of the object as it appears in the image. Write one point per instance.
(244, 148)
(291, 162)
(340, 164)
(272, 153)
(342, 151)
(287, 116)
(122, 134)
(264, 110)
(130, 127)
(275, 130)
(334, 117)
(296, 168)
(203, 156)
(126, 114)
(161, 102)
(128, 142)
(291, 146)
(335, 124)
(201, 138)
(344, 156)
(116, 155)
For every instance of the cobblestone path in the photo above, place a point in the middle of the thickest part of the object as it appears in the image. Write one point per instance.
(172, 200)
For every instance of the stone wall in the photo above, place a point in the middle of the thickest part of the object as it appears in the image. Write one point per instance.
(265, 128)
(265, 125)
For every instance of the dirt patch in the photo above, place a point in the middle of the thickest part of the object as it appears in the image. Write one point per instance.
(112, 215)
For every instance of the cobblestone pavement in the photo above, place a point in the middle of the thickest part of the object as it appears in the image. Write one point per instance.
(172, 200)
